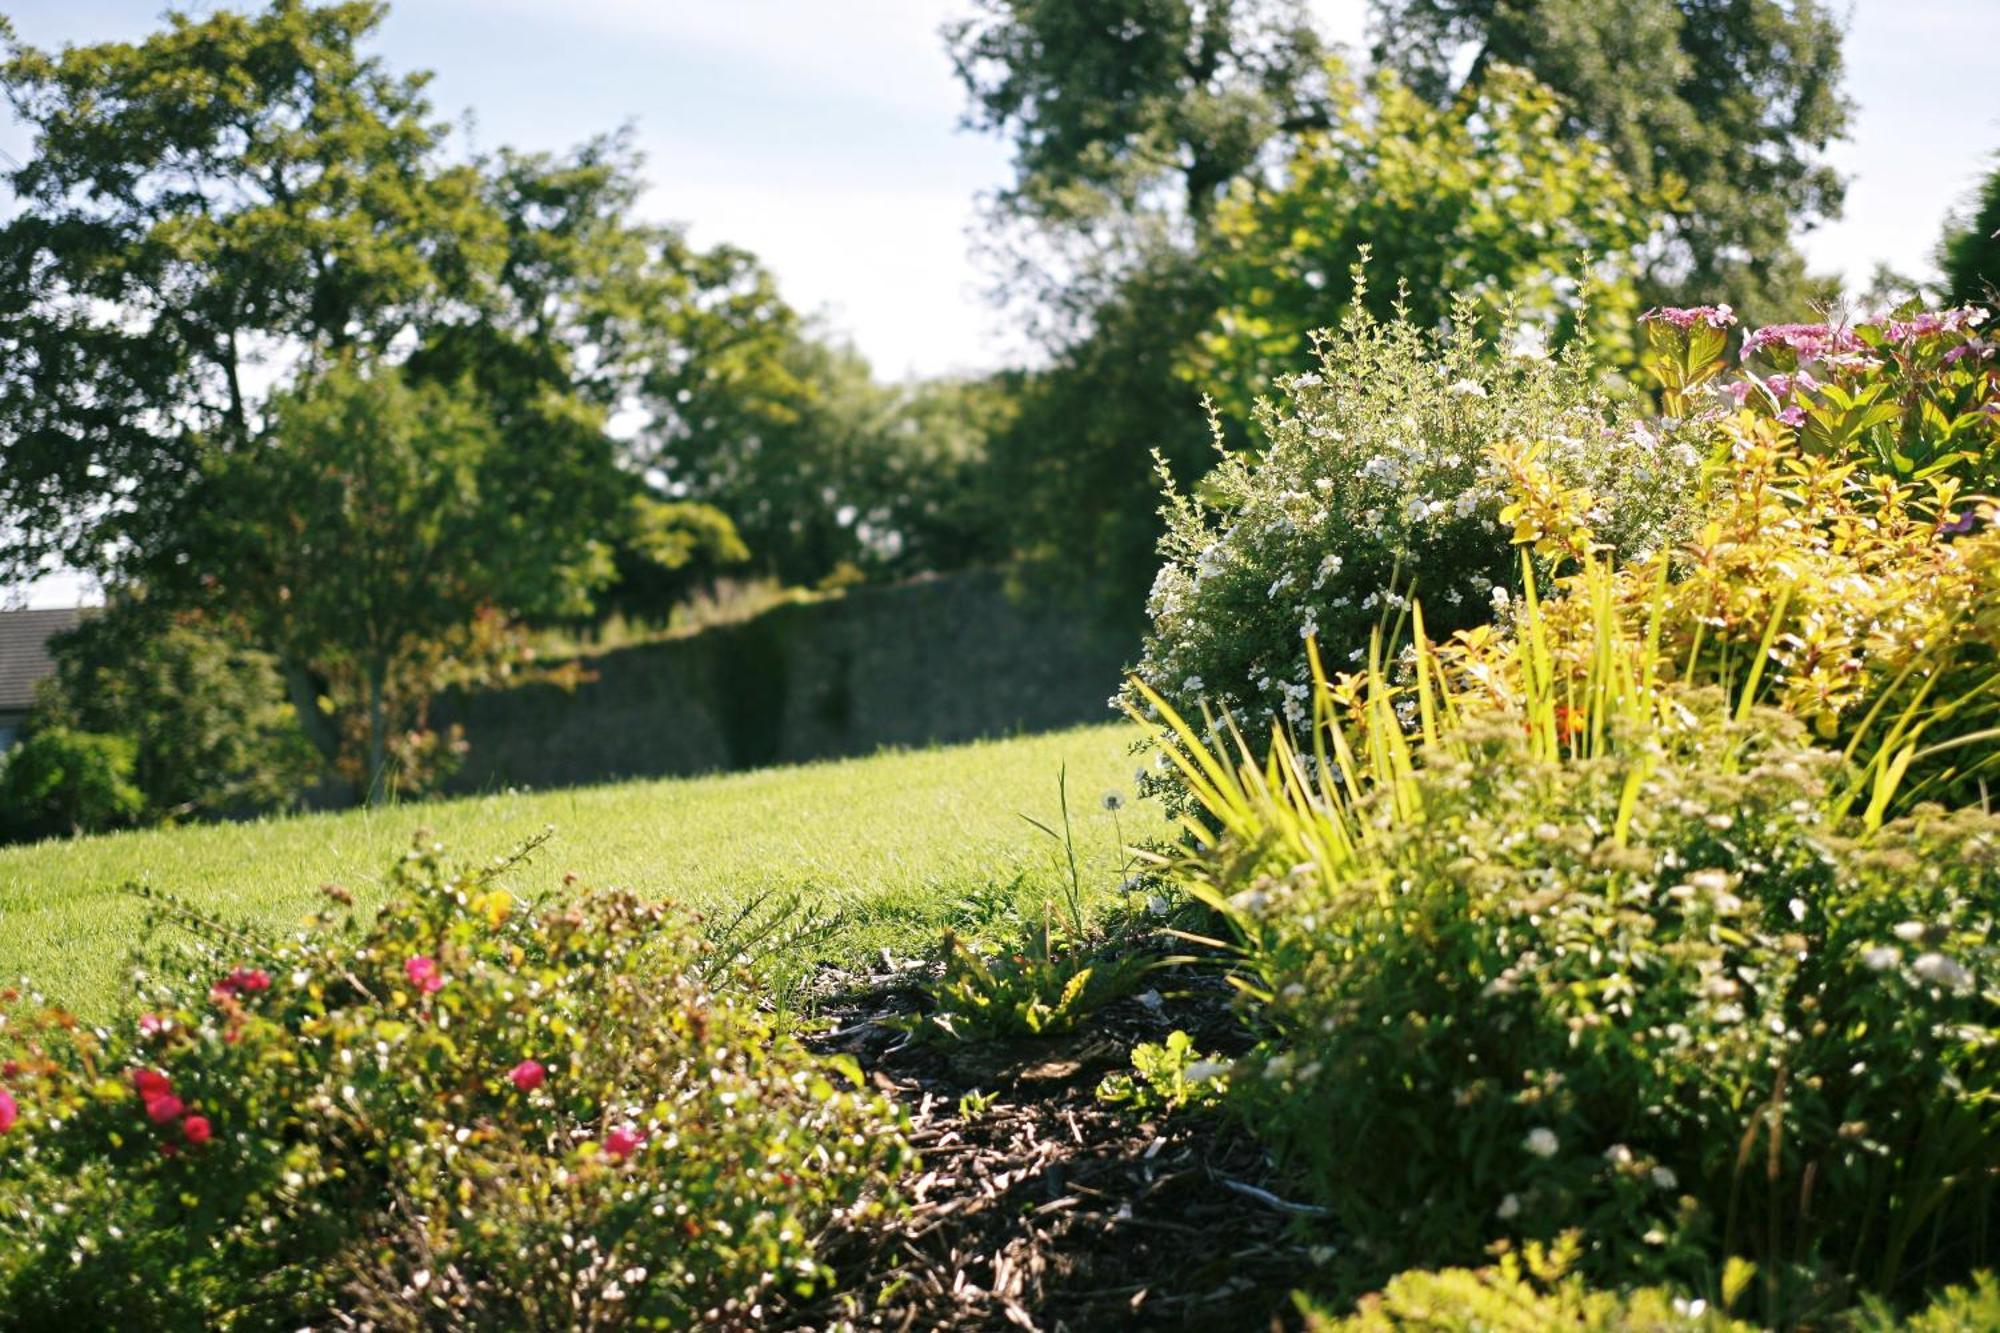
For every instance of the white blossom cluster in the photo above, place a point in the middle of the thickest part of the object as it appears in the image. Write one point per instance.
(1378, 485)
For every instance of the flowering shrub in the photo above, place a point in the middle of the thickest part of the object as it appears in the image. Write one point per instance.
(1662, 997)
(1379, 480)
(1841, 566)
(467, 1111)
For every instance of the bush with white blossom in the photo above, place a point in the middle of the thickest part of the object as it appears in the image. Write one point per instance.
(1380, 481)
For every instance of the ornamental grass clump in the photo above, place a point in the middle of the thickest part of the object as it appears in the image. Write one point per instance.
(1379, 481)
(468, 1110)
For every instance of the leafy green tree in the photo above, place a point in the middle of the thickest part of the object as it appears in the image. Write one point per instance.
(370, 538)
(1969, 255)
(1722, 109)
(58, 782)
(232, 189)
(208, 718)
(1125, 104)
(1482, 198)
(1075, 467)
(667, 550)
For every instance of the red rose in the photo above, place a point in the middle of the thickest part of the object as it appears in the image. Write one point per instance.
(151, 1083)
(528, 1075)
(164, 1108)
(197, 1129)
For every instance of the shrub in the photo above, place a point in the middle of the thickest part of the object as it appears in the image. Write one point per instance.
(471, 1111)
(213, 731)
(1528, 1291)
(1653, 988)
(1378, 480)
(1838, 568)
(60, 781)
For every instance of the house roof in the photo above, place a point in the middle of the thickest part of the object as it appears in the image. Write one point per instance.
(24, 653)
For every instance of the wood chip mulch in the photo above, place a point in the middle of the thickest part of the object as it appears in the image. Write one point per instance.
(1047, 1210)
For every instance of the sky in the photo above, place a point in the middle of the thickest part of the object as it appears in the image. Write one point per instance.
(823, 135)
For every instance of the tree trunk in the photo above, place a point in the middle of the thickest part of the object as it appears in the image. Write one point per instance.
(378, 738)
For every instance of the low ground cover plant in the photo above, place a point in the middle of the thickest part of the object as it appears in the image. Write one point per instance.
(469, 1109)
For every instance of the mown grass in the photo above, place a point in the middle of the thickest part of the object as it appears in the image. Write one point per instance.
(895, 843)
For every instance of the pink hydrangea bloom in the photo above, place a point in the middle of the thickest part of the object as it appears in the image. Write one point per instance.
(1686, 317)
(528, 1075)
(10, 1111)
(424, 975)
(1926, 323)
(1812, 342)
(623, 1141)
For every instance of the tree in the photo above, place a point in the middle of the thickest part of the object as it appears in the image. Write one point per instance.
(1720, 109)
(58, 782)
(210, 726)
(371, 538)
(667, 549)
(1122, 104)
(233, 191)
(1969, 254)
(1482, 198)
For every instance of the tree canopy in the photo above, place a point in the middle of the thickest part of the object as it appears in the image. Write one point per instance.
(1720, 110)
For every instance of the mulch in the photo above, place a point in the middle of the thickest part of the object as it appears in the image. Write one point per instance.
(1043, 1209)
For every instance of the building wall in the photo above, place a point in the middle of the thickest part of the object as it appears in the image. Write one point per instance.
(928, 662)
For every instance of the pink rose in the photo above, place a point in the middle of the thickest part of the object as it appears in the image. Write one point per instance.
(197, 1129)
(164, 1108)
(10, 1111)
(623, 1141)
(424, 975)
(528, 1075)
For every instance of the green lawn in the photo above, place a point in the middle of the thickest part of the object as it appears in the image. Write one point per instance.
(894, 841)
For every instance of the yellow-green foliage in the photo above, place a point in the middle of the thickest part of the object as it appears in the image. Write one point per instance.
(1529, 1291)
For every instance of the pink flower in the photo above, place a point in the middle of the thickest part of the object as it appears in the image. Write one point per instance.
(1715, 316)
(1811, 342)
(424, 975)
(197, 1129)
(241, 980)
(152, 1025)
(10, 1110)
(1793, 416)
(528, 1075)
(151, 1083)
(164, 1108)
(622, 1142)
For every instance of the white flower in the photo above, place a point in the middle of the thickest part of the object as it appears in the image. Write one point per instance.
(1941, 971)
(1201, 1071)
(1542, 1142)
(1881, 958)
(1468, 388)
(1192, 685)
(1909, 931)
(1618, 1155)
(1510, 1208)
(1664, 1177)
(1156, 905)
(1112, 800)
